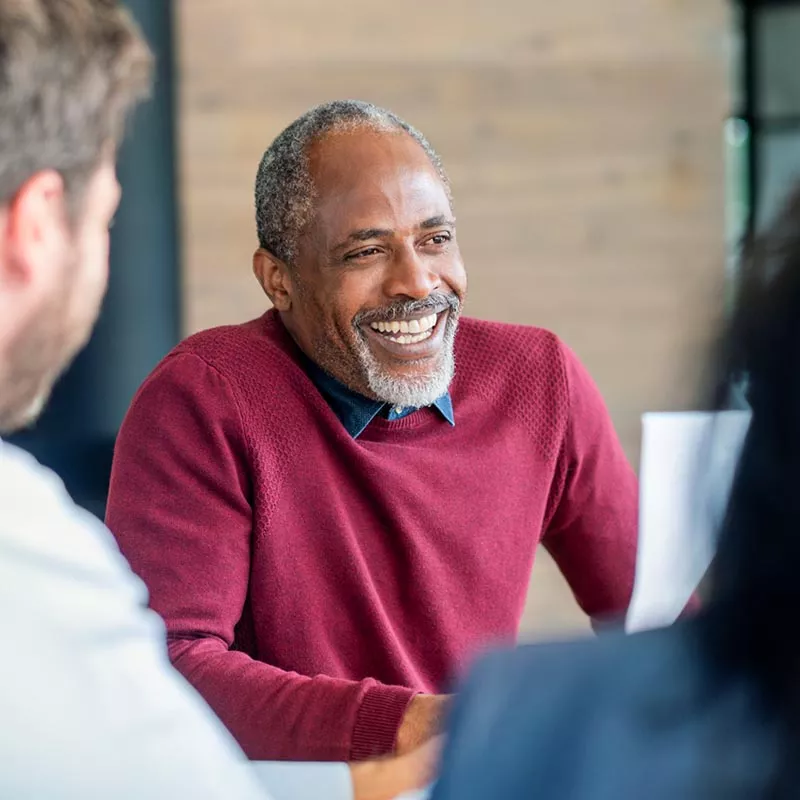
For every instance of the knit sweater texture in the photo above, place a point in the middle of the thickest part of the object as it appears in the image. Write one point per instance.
(312, 583)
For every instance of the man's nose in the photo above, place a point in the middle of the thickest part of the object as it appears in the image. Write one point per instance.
(410, 276)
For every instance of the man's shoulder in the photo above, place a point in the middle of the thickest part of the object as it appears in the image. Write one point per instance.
(44, 535)
(614, 676)
(21, 474)
(239, 375)
(612, 659)
(255, 357)
(30, 496)
(515, 339)
(507, 360)
(235, 345)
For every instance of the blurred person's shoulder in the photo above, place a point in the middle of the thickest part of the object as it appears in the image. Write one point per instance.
(37, 511)
(634, 679)
(57, 560)
(87, 697)
(616, 716)
(617, 663)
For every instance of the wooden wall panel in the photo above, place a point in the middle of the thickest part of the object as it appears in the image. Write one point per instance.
(583, 139)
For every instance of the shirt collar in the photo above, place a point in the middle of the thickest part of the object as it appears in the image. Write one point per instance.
(356, 411)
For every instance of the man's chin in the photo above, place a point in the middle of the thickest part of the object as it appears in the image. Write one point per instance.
(417, 372)
(409, 386)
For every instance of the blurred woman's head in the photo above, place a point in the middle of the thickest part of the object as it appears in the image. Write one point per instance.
(757, 570)
(754, 602)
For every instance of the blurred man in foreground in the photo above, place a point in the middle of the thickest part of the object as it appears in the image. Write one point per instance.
(330, 516)
(89, 705)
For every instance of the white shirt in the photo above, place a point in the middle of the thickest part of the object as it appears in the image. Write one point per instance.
(89, 704)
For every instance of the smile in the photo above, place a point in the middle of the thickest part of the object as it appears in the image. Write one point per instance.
(413, 338)
(407, 331)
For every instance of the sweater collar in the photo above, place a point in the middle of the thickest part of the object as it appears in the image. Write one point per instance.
(356, 411)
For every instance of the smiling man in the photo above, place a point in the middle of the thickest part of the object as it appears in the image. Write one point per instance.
(338, 503)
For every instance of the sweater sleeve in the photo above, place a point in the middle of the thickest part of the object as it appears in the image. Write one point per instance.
(593, 530)
(180, 507)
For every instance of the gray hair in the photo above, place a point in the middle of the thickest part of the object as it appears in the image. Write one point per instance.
(285, 191)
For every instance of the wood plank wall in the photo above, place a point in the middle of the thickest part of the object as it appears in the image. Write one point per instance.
(583, 139)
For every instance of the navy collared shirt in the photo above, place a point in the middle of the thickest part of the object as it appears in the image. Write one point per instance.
(356, 411)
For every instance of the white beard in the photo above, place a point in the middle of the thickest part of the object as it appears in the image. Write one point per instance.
(410, 392)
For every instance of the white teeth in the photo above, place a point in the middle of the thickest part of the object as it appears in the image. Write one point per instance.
(426, 323)
(415, 330)
(406, 338)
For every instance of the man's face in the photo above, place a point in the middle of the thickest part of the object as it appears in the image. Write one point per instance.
(62, 274)
(379, 281)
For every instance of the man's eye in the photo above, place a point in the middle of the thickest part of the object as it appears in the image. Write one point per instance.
(440, 238)
(369, 251)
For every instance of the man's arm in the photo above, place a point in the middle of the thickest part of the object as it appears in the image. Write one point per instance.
(180, 508)
(97, 710)
(592, 533)
(424, 719)
(90, 704)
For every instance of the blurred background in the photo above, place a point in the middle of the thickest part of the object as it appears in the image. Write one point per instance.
(606, 158)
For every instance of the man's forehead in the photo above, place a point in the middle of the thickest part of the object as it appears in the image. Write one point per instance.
(359, 160)
(380, 177)
(360, 216)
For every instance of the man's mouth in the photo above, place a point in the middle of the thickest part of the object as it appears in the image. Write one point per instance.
(411, 330)
(411, 337)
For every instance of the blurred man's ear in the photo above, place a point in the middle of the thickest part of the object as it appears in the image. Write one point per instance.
(274, 277)
(35, 230)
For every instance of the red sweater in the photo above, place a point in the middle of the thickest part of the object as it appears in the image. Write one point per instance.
(312, 583)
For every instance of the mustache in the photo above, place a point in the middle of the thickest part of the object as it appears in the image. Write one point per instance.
(433, 303)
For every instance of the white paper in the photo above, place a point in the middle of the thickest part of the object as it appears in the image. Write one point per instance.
(687, 467)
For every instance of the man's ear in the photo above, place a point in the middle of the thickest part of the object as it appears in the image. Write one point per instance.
(274, 277)
(35, 229)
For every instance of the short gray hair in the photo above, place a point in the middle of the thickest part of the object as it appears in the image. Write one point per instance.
(285, 191)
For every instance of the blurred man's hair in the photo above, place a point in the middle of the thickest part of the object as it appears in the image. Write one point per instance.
(69, 72)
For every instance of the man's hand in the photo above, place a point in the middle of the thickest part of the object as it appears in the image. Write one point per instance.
(385, 779)
(423, 720)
